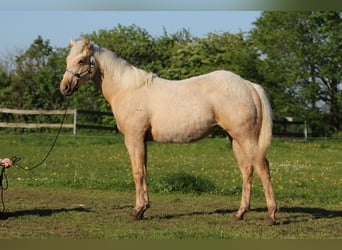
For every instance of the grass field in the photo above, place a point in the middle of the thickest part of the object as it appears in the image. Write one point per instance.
(85, 190)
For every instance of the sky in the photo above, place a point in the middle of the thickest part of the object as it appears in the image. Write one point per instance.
(19, 28)
(60, 20)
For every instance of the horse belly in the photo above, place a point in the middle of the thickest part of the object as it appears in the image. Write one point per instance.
(181, 127)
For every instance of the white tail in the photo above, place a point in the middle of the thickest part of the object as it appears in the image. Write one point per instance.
(265, 135)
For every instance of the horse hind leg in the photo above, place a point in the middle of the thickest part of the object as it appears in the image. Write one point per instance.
(262, 169)
(248, 161)
(246, 169)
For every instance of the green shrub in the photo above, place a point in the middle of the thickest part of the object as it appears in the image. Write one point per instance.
(185, 183)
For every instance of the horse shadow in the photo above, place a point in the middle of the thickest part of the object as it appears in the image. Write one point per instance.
(295, 214)
(196, 213)
(41, 212)
(287, 215)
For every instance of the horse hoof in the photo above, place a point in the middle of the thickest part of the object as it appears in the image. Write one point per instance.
(270, 222)
(134, 216)
(237, 218)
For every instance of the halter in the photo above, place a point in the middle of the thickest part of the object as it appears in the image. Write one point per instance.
(83, 74)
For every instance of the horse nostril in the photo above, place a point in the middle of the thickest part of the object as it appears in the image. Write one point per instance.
(65, 89)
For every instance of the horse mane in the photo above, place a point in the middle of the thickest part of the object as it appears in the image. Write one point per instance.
(122, 72)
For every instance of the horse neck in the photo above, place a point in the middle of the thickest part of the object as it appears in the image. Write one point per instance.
(103, 63)
(119, 72)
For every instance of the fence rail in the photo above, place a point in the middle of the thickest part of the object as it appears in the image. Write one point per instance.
(281, 128)
(33, 125)
(73, 125)
(35, 111)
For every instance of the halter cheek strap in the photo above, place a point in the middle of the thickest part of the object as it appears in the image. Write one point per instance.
(83, 74)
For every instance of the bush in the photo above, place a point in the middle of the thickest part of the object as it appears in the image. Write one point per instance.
(185, 183)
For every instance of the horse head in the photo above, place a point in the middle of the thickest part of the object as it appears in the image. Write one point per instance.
(80, 66)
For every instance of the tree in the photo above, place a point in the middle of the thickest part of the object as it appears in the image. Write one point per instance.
(26, 81)
(216, 51)
(31, 79)
(49, 79)
(132, 43)
(166, 48)
(5, 81)
(301, 62)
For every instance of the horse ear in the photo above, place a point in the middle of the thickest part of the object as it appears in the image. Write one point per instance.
(72, 42)
(86, 42)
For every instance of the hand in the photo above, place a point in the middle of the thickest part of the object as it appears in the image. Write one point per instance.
(6, 162)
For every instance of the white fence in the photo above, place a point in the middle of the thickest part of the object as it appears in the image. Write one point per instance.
(37, 112)
(73, 125)
(281, 128)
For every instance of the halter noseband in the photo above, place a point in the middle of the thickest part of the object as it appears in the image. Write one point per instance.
(83, 74)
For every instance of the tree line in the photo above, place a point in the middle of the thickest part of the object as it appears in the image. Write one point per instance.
(295, 56)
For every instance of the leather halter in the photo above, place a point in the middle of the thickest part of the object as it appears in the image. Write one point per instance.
(83, 74)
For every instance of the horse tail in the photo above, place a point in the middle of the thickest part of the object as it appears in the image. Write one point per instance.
(265, 134)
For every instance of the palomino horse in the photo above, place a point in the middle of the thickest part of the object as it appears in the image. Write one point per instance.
(147, 107)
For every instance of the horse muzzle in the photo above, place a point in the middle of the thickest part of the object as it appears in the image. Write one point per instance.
(67, 88)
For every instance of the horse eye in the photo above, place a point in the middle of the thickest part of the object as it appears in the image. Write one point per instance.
(81, 62)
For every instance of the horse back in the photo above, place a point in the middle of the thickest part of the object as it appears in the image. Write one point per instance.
(187, 110)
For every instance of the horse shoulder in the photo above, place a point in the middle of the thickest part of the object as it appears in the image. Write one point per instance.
(130, 110)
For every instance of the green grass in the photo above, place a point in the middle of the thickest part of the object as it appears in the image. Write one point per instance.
(85, 190)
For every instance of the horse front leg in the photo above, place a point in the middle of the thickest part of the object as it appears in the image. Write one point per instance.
(138, 156)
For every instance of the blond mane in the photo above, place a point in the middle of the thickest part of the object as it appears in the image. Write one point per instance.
(124, 74)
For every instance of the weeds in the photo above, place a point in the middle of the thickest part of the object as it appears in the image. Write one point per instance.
(194, 189)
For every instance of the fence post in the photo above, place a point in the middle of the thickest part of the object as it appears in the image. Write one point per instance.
(305, 131)
(75, 120)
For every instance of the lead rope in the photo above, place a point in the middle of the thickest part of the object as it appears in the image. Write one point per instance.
(15, 159)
